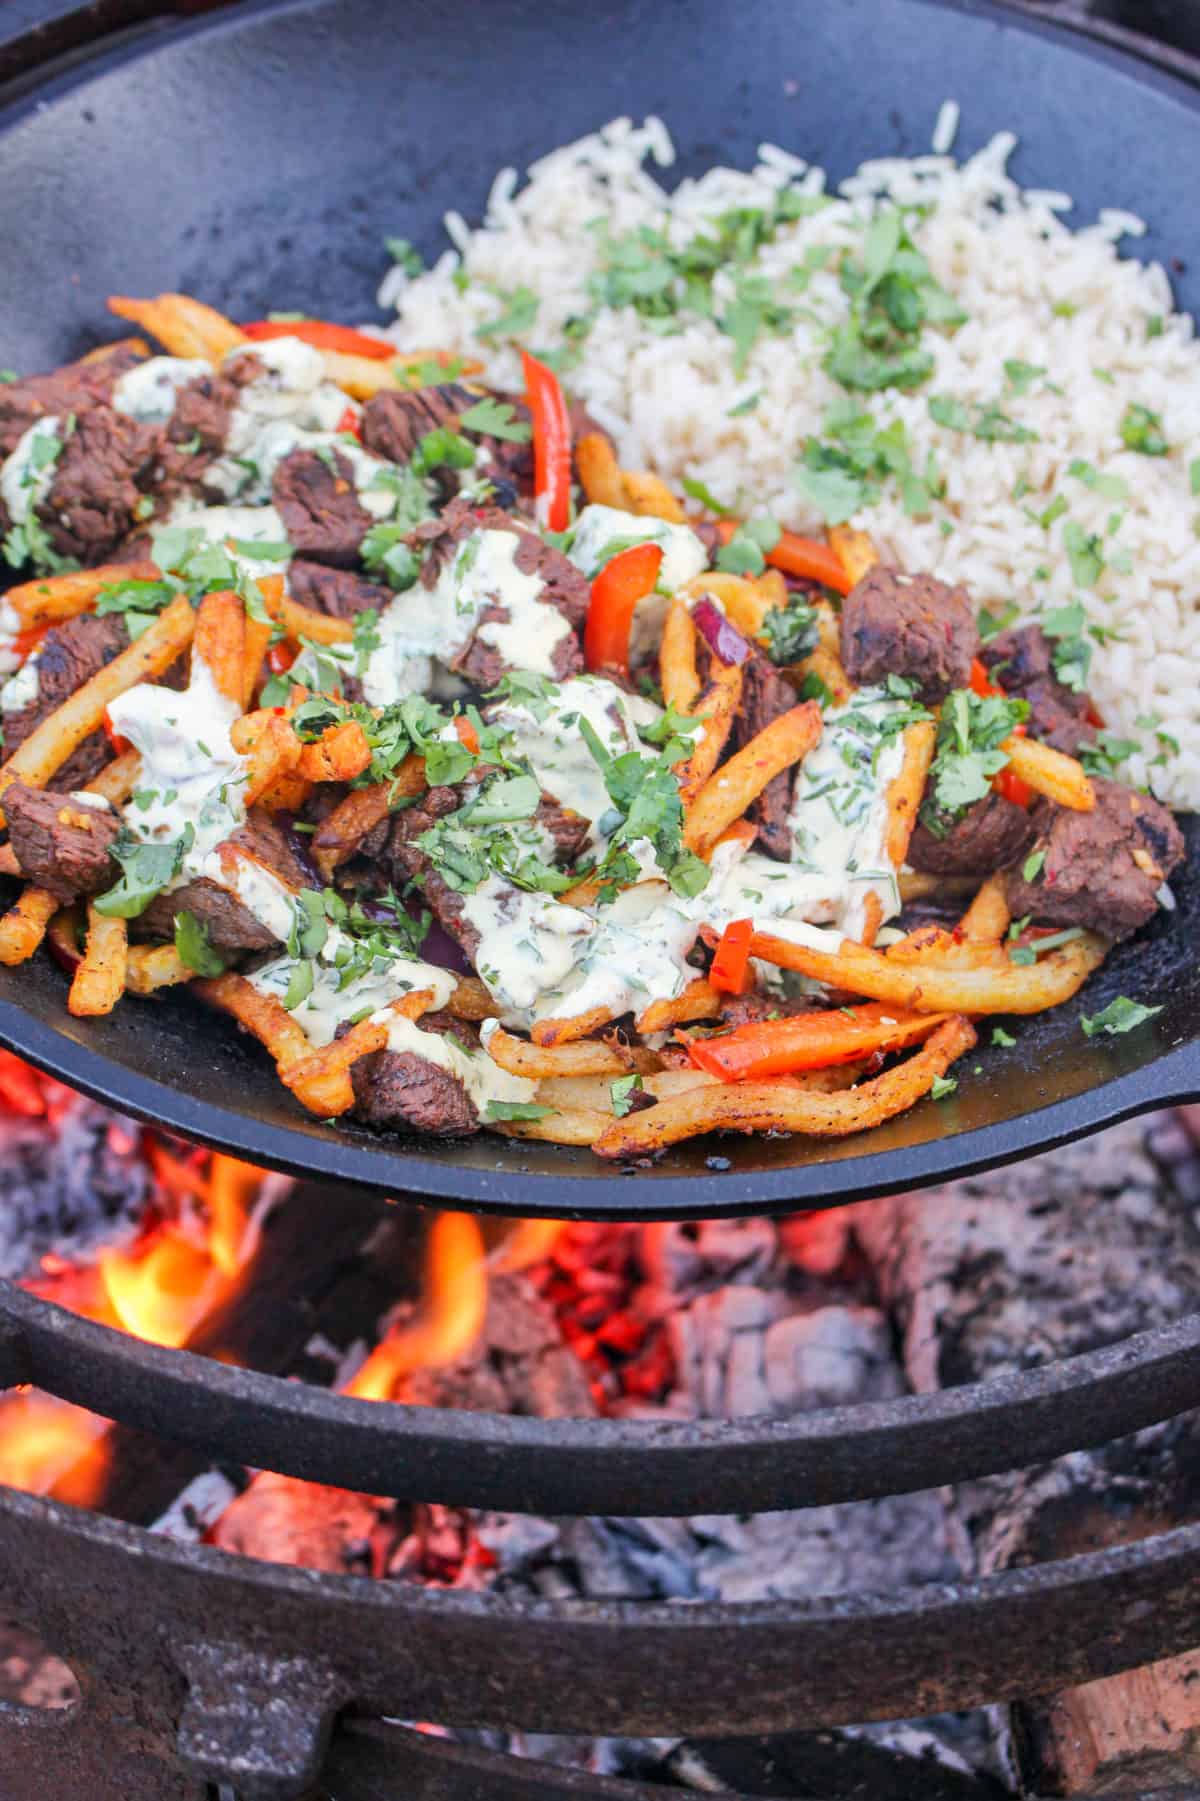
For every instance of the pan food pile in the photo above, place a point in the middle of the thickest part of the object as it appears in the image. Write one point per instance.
(489, 789)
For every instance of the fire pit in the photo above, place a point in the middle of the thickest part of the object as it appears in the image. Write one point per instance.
(576, 1553)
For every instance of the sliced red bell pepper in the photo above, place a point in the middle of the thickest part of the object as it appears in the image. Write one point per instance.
(28, 640)
(281, 656)
(804, 557)
(615, 594)
(466, 734)
(817, 1040)
(551, 444)
(731, 962)
(322, 334)
(1007, 783)
(350, 422)
(119, 744)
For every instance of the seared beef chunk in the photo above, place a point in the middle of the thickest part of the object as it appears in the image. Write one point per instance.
(105, 465)
(910, 625)
(403, 1089)
(765, 695)
(758, 1004)
(393, 424)
(70, 655)
(990, 835)
(394, 842)
(61, 844)
(338, 592)
(1022, 662)
(72, 389)
(568, 829)
(231, 926)
(1102, 869)
(565, 588)
(320, 508)
(197, 430)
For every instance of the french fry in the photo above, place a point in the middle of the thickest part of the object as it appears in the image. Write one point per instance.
(774, 590)
(872, 918)
(258, 634)
(787, 1106)
(183, 326)
(261, 1014)
(829, 631)
(322, 1083)
(919, 884)
(650, 496)
(55, 597)
(102, 352)
(988, 917)
(827, 667)
(220, 641)
(904, 794)
(717, 707)
(587, 1057)
(50, 744)
(566, 1125)
(565, 1031)
(339, 836)
(599, 472)
(8, 861)
(998, 986)
(24, 925)
(471, 1000)
(118, 779)
(286, 795)
(677, 658)
(727, 794)
(1050, 772)
(339, 754)
(854, 551)
(306, 622)
(273, 753)
(99, 979)
(150, 967)
(699, 1000)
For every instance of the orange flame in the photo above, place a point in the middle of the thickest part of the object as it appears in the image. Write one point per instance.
(47, 1444)
(531, 1241)
(451, 1316)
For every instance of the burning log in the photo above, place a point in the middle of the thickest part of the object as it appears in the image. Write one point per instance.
(1045, 1260)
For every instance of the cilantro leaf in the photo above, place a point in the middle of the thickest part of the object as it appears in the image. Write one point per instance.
(517, 315)
(1121, 1015)
(1086, 553)
(696, 490)
(971, 729)
(1031, 868)
(1002, 1038)
(622, 1092)
(943, 1086)
(745, 552)
(146, 869)
(1021, 376)
(496, 419)
(516, 1110)
(195, 946)
(1142, 430)
(987, 422)
(791, 632)
(405, 254)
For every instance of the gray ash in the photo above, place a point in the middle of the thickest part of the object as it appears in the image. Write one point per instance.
(71, 1182)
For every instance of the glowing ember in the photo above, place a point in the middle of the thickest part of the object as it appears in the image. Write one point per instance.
(451, 1316)
(531, 1241)
(47, 1444)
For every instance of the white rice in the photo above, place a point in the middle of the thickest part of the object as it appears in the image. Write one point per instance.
(1009, 259)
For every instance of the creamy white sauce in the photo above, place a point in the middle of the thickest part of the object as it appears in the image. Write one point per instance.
(23, 687)
(21, 486)
(684, 556)
(439, 621)
(557, 751)
(11, 627)
(252, 486)
(258, 888)
(528, 942)
(82, 798)
(839, 816)
(329, 1004)
(293, 391)
(189, 766)
(150, 390)
(483, 1080)
(218, 524)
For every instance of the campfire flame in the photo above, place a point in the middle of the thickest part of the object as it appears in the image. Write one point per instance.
(451, 1316)
(46, 1443)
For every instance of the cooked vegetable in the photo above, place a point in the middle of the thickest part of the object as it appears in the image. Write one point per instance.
(551, 443)
(616, 591)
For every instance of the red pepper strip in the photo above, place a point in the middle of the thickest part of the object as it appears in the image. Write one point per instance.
(350, 422)
(281, 656)
(777, 1047)
(805, 557)
(29, 639)
(119, 744)
(551, 444)
(731, 964)
(615, 594)
(322, 335)
(1094, 716)
(1007, 783)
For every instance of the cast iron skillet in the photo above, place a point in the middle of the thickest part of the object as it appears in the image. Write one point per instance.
(257, 160)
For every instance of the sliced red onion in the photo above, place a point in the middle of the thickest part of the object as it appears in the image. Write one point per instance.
(722, 638)
(298, 844)
(440, 949)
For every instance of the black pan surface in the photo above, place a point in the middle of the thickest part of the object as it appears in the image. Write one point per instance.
(257, 159)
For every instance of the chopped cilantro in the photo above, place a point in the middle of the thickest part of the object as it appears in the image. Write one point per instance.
(942, 1086)
(1109, 750)
(1142, 430)
(893, 295)
(791, 631)
(971, 729)
(1002, 1038)
(139, 601)
(1121, 1015)
(987, 422)
(622, 1092)
(405, 255)
(745, 552)
(1021, 376)
(1086, 554)
(1055, 510)
(744, 406)
(516, 1110)
(195, 946)
(645, 794)
(1072, 651)
(992, 624)
(516, 316)
(696, 490)
(1111, 487)
(497, 419)
(300, 984)
(146, 870)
